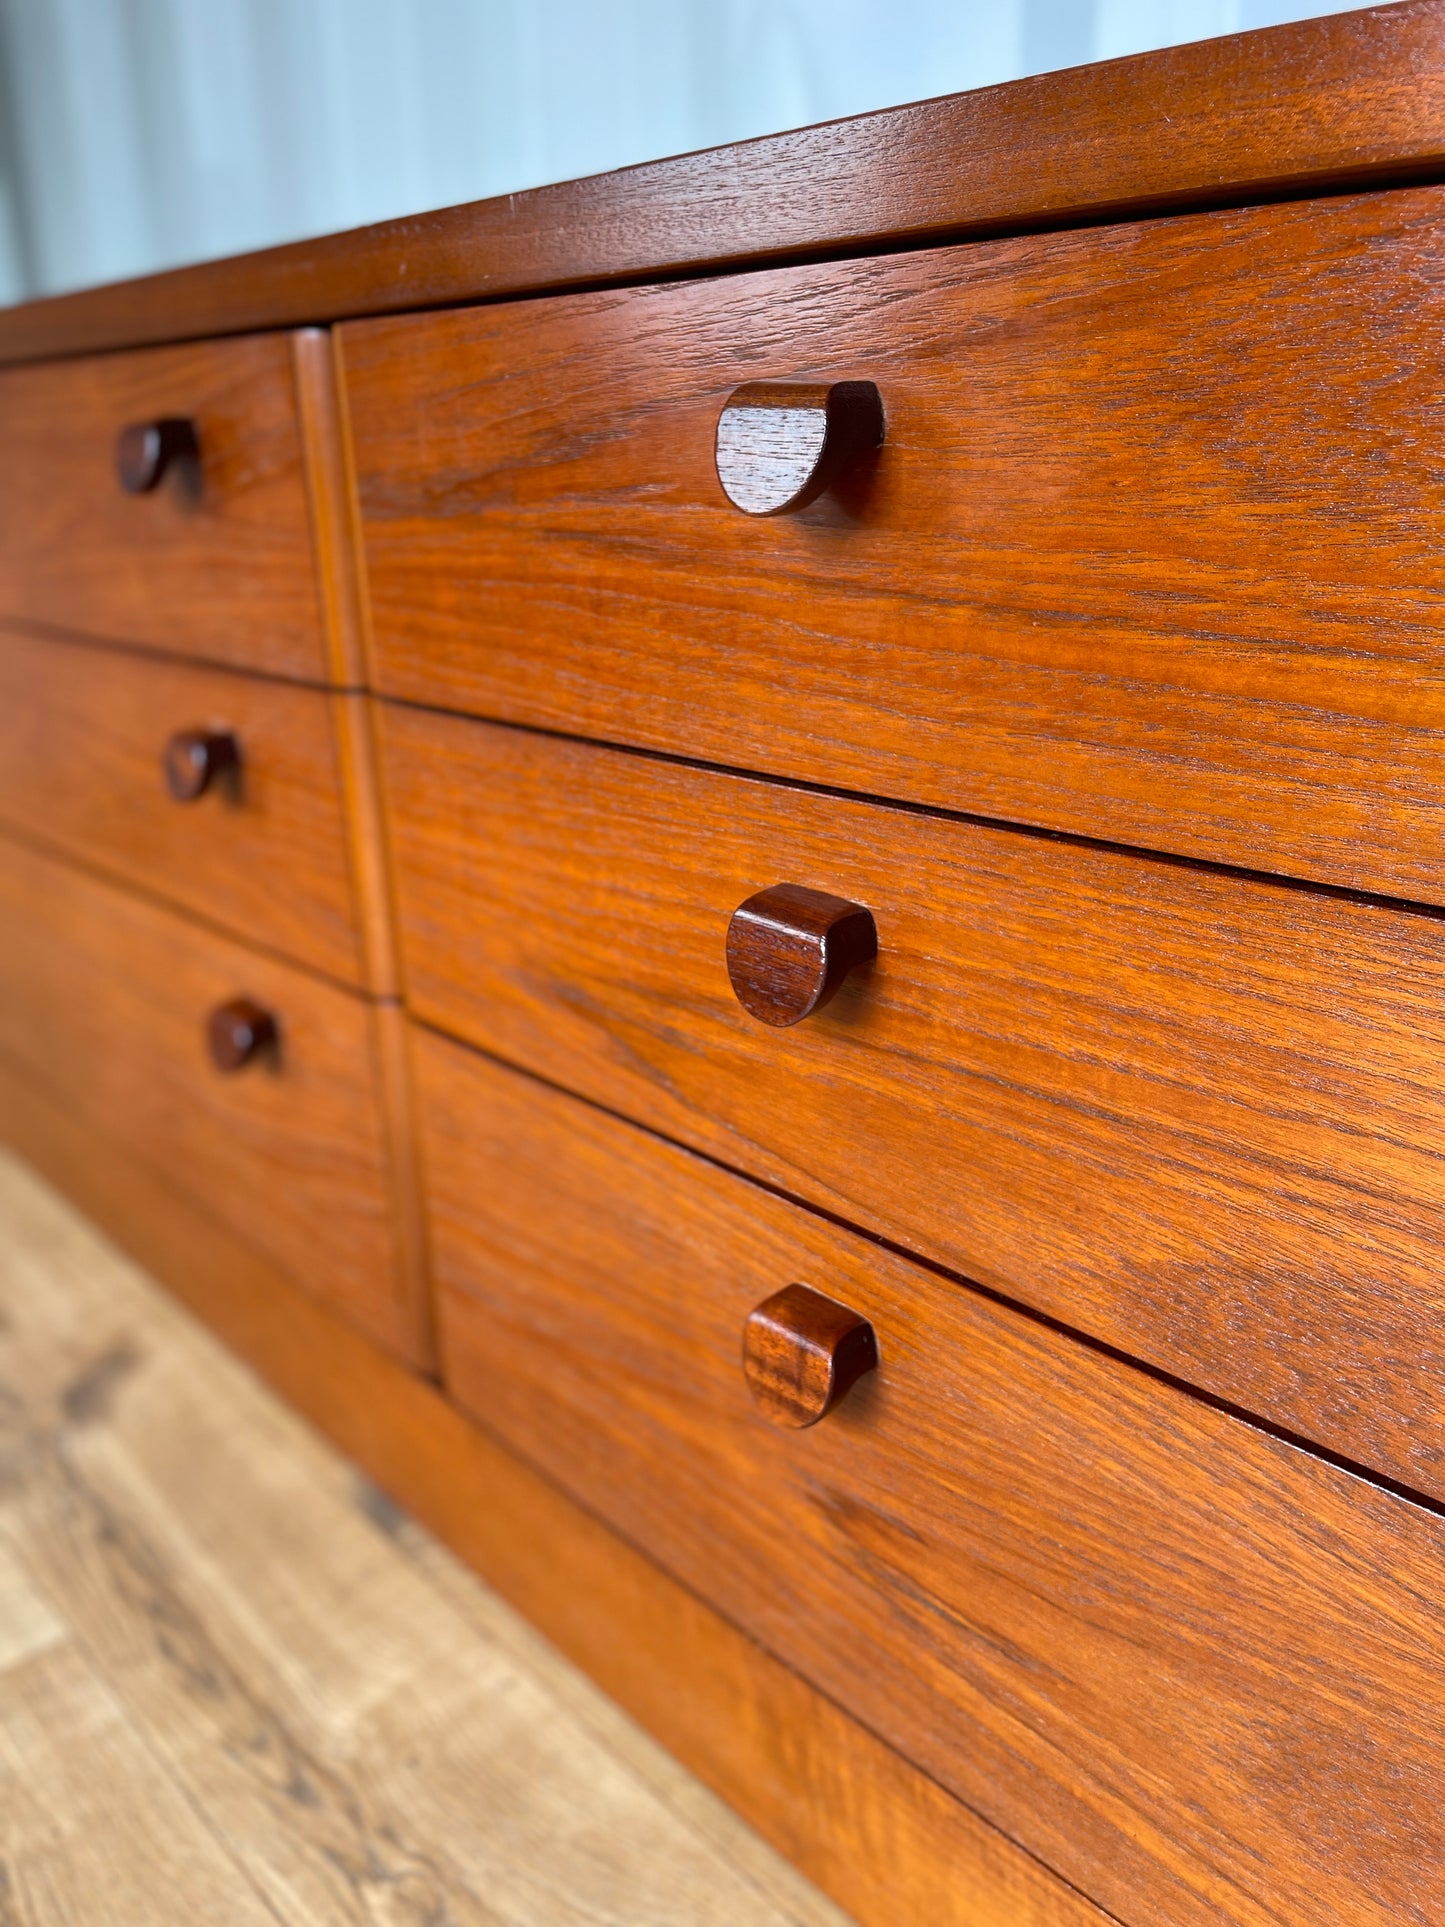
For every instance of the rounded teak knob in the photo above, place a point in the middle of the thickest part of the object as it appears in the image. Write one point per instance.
(237, 1032)
(145, 450)
(780, 443)
(789, 948)
(194, 758)
(802, 1352)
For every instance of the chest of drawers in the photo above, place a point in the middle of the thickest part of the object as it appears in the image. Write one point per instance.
(743, 863)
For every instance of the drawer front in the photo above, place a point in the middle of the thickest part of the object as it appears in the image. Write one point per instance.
(105, 999)
(1191, 1667)
(1195, 1114)
(213, 561)
(1152, 550)
(84, 736)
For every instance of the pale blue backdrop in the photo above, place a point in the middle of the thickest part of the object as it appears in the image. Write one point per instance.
(135, 134)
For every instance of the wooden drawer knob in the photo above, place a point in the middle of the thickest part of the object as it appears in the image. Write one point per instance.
(802, 1352)
(194, 758)
(145, 450)
(789, 948)
(237, 1032)
(780, 444)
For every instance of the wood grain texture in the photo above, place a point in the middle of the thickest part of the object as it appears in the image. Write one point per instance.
(790, 948)
(1195, 1669)
(352, 1728)
(847, 1809)
(91, 1826)
(265, 856)
(104, 999)
(780, 445)
(1316, 104)
(215, 563)
(1150, 552)
(1194, 1114)
(802, 1353)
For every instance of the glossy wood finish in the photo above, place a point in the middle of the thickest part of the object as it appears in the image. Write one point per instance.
(264, 854)
(868, 1827)
(1194, 1114)
(215, 561)
(1354, 99)
(1176, 1658)
(789, 948)
(104, 1001)
(780, 445)
(1150, 553)
(802, 1353)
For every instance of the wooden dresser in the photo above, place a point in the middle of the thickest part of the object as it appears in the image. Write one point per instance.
(745, 864)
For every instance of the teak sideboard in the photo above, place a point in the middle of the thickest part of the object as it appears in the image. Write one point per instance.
(745, 863)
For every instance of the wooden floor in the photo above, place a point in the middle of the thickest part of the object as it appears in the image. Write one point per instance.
(236, 1686)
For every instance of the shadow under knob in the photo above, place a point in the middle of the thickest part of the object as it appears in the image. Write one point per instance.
(780, 444)
(802, 1352)
(238, 1032)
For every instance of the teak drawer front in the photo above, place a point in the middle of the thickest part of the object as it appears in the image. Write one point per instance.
(83, 735)
(1195, 1114)
(104, 999)
(216, 560)
(1191, 1667)
(1152, 550)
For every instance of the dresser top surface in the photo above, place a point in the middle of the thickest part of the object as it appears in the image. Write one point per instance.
(1351, 100)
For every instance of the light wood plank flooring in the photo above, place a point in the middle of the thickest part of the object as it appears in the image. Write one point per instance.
(237, 1687)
